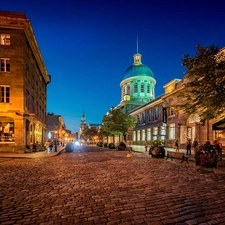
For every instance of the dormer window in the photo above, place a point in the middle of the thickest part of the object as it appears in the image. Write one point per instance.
(5, 39)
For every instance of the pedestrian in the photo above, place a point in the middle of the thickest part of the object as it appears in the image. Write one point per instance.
(195, 145)
(176, 146)
(188, 147)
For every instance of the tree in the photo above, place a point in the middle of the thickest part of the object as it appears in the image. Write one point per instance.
(204, 90)
(90, 133)
(117, 123)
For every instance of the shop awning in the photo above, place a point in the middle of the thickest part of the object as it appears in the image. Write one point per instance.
(220, 125)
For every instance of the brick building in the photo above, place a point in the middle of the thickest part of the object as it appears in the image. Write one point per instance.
(23, 82)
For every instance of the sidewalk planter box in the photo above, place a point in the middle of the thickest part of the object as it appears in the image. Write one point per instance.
(157, 151)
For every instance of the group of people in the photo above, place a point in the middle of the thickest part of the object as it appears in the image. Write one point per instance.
(189, 145)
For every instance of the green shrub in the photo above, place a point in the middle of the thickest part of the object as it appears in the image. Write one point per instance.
(105, 145)
(111, 146)
(99, 144)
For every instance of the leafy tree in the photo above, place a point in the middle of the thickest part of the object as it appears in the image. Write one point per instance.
(89, 133)
(204, 90)
(117, 123)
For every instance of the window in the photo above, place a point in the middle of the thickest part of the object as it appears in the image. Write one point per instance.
(162, 132)
(4, 94)
(149, 114)
(172, 111)
(27, 98)
(142, 87)
(6, 129)
(172, 131)
(5, 39)
(143, 135)
(5, 65)
(156, 113)
(128, 89)
(155, 133)
(135, 88)
(149, 134)
(148, 88)
(134, 135)
(138, 135)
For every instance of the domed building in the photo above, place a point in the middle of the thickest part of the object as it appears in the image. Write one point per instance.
(137, 86)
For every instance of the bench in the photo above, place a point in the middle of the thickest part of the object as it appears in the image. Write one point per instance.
(177, 155)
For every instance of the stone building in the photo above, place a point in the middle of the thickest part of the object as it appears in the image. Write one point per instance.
(160, 120)
(56, 129)
(23, 82)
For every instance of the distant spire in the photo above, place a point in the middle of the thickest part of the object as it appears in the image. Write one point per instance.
(137, 56)
(83, 114)
(83, 119)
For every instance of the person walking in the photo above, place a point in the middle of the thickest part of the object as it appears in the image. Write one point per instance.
(176, 146)
(195, 145)
(188, 147)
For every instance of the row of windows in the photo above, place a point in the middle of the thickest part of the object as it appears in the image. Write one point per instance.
(155, 133)
(136, 89)
(154, 114)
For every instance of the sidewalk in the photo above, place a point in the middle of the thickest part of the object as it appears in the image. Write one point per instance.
(140, 148)
(33, 155)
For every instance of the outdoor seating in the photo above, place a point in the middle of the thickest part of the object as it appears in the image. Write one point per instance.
(177, 155)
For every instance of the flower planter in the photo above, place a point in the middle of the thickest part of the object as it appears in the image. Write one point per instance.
(157, 151)
(207, 156)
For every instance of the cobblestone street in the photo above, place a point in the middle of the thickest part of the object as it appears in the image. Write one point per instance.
(101, 186)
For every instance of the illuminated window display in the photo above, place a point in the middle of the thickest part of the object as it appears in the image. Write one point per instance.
(6, 129)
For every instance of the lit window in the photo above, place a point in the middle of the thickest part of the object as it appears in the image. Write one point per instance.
(5, 39)
(5, 65)
(134, 136)
(143, 135)
(149, 134)
(172, 131)
(138, 135)
(4, 94)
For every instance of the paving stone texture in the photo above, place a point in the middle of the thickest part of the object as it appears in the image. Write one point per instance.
(101, 186)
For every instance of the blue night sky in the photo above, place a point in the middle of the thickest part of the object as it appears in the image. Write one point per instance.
(87, 45)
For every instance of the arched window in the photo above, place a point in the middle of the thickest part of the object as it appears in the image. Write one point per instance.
(7, 129)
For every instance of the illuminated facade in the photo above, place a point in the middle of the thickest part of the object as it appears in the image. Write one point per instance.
(23, 82)
(157, 118)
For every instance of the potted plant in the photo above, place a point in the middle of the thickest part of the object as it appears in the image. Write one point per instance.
(157, 149)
